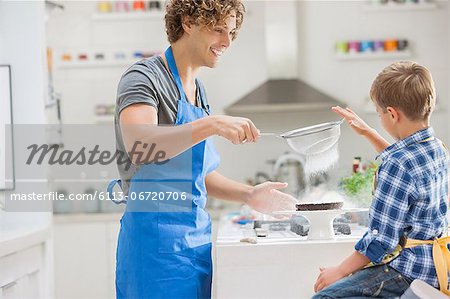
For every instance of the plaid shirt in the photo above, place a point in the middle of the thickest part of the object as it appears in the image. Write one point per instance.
(410, 199)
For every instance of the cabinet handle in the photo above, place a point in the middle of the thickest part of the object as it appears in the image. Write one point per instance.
(33, 272)
(8, 285)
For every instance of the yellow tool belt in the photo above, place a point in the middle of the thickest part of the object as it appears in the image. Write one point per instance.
(441, 258)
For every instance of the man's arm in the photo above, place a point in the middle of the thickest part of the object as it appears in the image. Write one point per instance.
(138, 123)
(264, 198)
(221, 187)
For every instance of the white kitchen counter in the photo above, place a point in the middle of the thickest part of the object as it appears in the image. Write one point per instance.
(102, 217)
(274, 267)
(15, 240)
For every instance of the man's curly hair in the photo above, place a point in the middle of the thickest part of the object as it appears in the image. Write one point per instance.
(202, 12)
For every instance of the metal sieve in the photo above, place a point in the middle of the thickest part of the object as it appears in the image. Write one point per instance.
(313, 139)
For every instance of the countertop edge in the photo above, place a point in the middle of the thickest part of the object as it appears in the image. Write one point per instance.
(24, 241)
(86, 217)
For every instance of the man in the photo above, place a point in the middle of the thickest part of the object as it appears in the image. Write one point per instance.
(167, 254)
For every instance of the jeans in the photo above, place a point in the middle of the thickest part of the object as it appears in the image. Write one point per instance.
(379, 281)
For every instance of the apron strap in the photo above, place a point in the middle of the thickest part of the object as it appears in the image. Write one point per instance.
(441, 258)
(426, 140)
(110, 192)
(174, 70)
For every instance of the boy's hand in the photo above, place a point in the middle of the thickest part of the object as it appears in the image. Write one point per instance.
(361, 128)
(327, 277)
(355, 122)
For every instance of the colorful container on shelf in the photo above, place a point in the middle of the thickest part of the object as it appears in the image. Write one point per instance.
(390, 45)
(108, 57)
(378, 45)
(104, 6)
(128, 6)
(138, 5)
(122, 6)
(367, 46)
(398, 2)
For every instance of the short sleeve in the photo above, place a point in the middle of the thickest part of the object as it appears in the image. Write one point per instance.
(394, 191)
(135, 87)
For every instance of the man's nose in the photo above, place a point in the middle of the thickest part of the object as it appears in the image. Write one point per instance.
(226, 41)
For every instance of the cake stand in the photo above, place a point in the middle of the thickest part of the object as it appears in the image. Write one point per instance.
(321, 221)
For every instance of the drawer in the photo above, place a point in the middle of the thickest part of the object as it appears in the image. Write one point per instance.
(21, 265)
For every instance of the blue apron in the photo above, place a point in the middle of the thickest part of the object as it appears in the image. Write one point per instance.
(167, 253)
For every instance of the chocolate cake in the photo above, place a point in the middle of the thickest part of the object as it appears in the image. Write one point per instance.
(319, 206)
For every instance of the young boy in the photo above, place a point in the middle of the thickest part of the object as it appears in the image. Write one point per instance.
(410, 196)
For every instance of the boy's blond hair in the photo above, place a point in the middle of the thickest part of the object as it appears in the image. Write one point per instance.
(201, 12)
(405, 85)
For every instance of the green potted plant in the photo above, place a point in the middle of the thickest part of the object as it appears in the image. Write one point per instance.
(359, 186)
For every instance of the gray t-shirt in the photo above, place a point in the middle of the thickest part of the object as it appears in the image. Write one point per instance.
(147, 82)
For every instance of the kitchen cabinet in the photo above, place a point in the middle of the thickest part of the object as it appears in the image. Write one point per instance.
(25, 264)
(85, 246)
(24, 275)
(85, 254)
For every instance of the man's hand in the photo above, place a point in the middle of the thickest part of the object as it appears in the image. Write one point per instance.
(236, 129)
(265, 198)
(327, 277)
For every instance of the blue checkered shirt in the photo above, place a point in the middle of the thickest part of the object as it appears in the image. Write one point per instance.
(410, 199)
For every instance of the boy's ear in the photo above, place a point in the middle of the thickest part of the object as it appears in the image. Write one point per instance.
(393, 113)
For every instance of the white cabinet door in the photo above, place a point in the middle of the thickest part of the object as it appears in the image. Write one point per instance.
(81, 260)
(23, 278)
(25, 287)
(12, 290)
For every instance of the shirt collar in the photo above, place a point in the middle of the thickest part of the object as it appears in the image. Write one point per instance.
(414, 138)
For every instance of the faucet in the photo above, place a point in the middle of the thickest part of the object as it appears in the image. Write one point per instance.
(289, 168)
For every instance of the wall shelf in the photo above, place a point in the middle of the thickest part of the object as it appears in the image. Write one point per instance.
(95, 64)
(392, 6)
(128, 16)
(373, 55)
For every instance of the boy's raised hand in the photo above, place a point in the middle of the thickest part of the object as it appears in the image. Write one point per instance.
(361, 128)
(355, 122)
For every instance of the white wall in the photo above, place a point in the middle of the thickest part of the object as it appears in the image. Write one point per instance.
(281, 39)
(22, 46)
